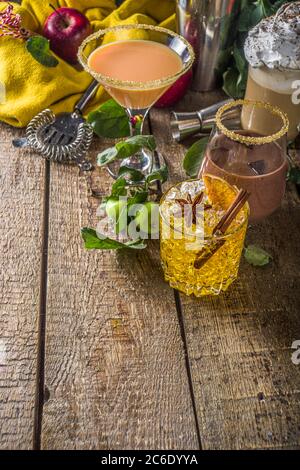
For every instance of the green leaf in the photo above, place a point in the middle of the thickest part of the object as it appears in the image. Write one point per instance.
(139, 197)
(294, 175)
(250, 16)
(240, 40)
(256, 256)
(230, 79)
(92, 242)
(39, 48)
(227, 30)
(224, 58)
(234, 83)
(132, 145)
(240, 59)
(266, 7)
(110, 120)
(119, 188)
(107, 156)
(158, 175)
(135, 175)
(126, 148)
(194, 156)
(277, 5)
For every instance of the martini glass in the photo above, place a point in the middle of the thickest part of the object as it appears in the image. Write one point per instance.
(136, 93)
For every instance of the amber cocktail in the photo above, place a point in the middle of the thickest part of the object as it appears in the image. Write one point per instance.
(194, 259)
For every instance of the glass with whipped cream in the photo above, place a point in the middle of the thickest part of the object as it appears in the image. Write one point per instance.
(272, 50)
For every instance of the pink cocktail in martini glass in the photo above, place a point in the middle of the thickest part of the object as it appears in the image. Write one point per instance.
(136, 64)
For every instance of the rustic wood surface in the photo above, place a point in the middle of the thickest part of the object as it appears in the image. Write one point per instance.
(21, 236)
(247, 390)
(97, 352)
(114, 359)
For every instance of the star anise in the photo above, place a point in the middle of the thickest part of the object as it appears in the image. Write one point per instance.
(190, 215)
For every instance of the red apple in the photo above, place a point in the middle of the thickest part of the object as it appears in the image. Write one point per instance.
(175, 92)
(66, 28)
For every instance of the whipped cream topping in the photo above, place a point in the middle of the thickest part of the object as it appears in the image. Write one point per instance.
(275, 41)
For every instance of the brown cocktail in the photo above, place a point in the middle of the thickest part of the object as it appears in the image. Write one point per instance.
(250, 160)
(272, 50)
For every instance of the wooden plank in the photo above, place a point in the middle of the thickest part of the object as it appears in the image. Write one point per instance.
(240, 347)
(114, 368)
(246, 387)
(21, 231)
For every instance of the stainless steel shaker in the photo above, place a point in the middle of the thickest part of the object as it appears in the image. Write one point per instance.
(209, 26)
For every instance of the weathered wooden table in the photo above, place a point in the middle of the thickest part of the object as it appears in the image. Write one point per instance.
(97, 352)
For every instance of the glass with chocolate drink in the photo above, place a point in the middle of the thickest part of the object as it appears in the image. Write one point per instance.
(251, 160)
(272, 50)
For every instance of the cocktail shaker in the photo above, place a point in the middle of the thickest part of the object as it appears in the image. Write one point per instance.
(209, 26)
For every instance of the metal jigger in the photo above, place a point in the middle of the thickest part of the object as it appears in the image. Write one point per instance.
(184, 125)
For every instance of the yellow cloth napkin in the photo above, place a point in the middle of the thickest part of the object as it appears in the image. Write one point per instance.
(31, 87)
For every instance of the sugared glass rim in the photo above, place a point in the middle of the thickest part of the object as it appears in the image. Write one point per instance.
(211, 237)
(129, 84)
(248, 140)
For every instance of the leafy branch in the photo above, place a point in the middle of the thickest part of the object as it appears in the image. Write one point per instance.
(122, 197)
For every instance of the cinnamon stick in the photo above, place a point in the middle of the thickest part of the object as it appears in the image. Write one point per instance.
(204, 255)
(231, 212)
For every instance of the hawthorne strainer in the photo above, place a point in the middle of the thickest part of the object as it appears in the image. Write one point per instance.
(63, 138)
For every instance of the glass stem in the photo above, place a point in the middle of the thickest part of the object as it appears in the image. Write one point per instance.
(142, 160)
(136, 120)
